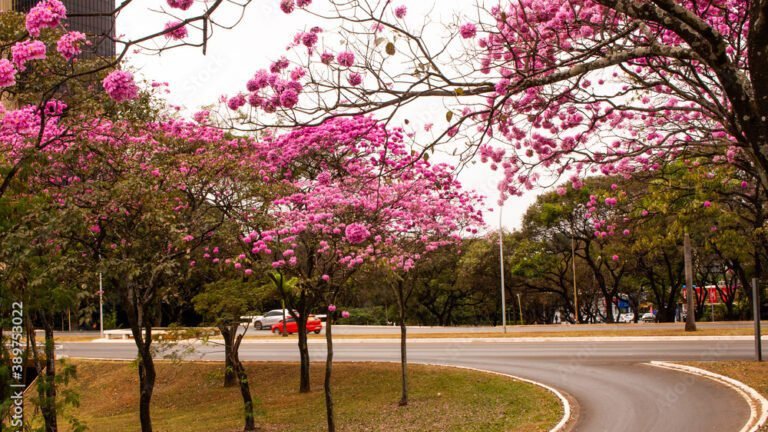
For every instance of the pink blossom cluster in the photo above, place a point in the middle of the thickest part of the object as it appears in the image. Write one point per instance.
(346, 58)
(7, 73)
(181, 4)
(45, 14)
(356, 233)
(308, 38)
(468, 31)
(175, 30)
(287, 6)
(69, 44)
(27, 50)
(23, 129)
(120, 86)
(268, 90)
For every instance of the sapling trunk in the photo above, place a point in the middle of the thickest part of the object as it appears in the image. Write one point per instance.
(401, 304)
(245, 390)
(403, 360)
(230, 375)
(49, 407)
(304, 382)
(328, 371)
(147, 375)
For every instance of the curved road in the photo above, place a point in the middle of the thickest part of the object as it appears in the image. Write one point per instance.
(614, 387)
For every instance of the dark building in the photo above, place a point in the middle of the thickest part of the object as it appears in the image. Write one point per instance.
(92, 17)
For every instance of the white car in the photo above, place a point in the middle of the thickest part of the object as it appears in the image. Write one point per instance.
(265, 322)
(626, 317)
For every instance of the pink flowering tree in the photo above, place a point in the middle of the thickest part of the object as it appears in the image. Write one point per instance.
(440, 213)
(352, 192)
(544, 89)
(151, 196)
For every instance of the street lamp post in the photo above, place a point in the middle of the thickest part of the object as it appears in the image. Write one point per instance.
(501, 266)
(101, 308)
(101, 301)
(756, 310)
(575, 292)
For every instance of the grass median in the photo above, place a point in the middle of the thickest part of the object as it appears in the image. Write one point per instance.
(189, 397)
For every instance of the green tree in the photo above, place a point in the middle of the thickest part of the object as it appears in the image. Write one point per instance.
(222, 303)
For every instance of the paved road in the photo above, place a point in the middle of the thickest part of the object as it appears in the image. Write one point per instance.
(614, 387)
(527, 329)
(469, 331)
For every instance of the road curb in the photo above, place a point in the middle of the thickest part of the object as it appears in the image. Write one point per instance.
(568, 413)
(758, 405)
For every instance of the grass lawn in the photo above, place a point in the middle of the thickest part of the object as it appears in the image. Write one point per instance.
(751, 373)
(189, 397)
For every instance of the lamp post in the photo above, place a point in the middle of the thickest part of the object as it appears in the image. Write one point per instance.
(101, 301)
(575, 292)
(573, 268)
(501, 266)
(756, 310)
(101, 308)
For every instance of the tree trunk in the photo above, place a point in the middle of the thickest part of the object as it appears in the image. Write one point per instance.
(403, 359)
(230, 376)
(690, 317)
(147, 377)
(304, 382)
(328, 371)
(609, 318)
(729, 309)
(245, 390)
(46, 374)
(48, 408)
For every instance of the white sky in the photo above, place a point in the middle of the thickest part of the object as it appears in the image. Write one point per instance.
(262, 36)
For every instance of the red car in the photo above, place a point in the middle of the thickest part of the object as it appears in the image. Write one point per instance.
(313, 325)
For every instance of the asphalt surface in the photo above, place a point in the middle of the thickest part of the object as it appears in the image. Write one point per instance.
(469, 330)
(614, 388)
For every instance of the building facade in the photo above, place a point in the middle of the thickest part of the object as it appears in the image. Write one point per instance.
(92, 17)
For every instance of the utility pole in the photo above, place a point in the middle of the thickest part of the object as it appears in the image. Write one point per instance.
(690, 319)
(501, 266)
(575, 292)
(756, 309)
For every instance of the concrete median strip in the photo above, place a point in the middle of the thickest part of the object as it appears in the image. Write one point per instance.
(758, 405)
(358, 340)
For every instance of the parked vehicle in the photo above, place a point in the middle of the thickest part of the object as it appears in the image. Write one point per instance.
(313, 325)
(626, 317)
(266, 321)
(648, 317)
